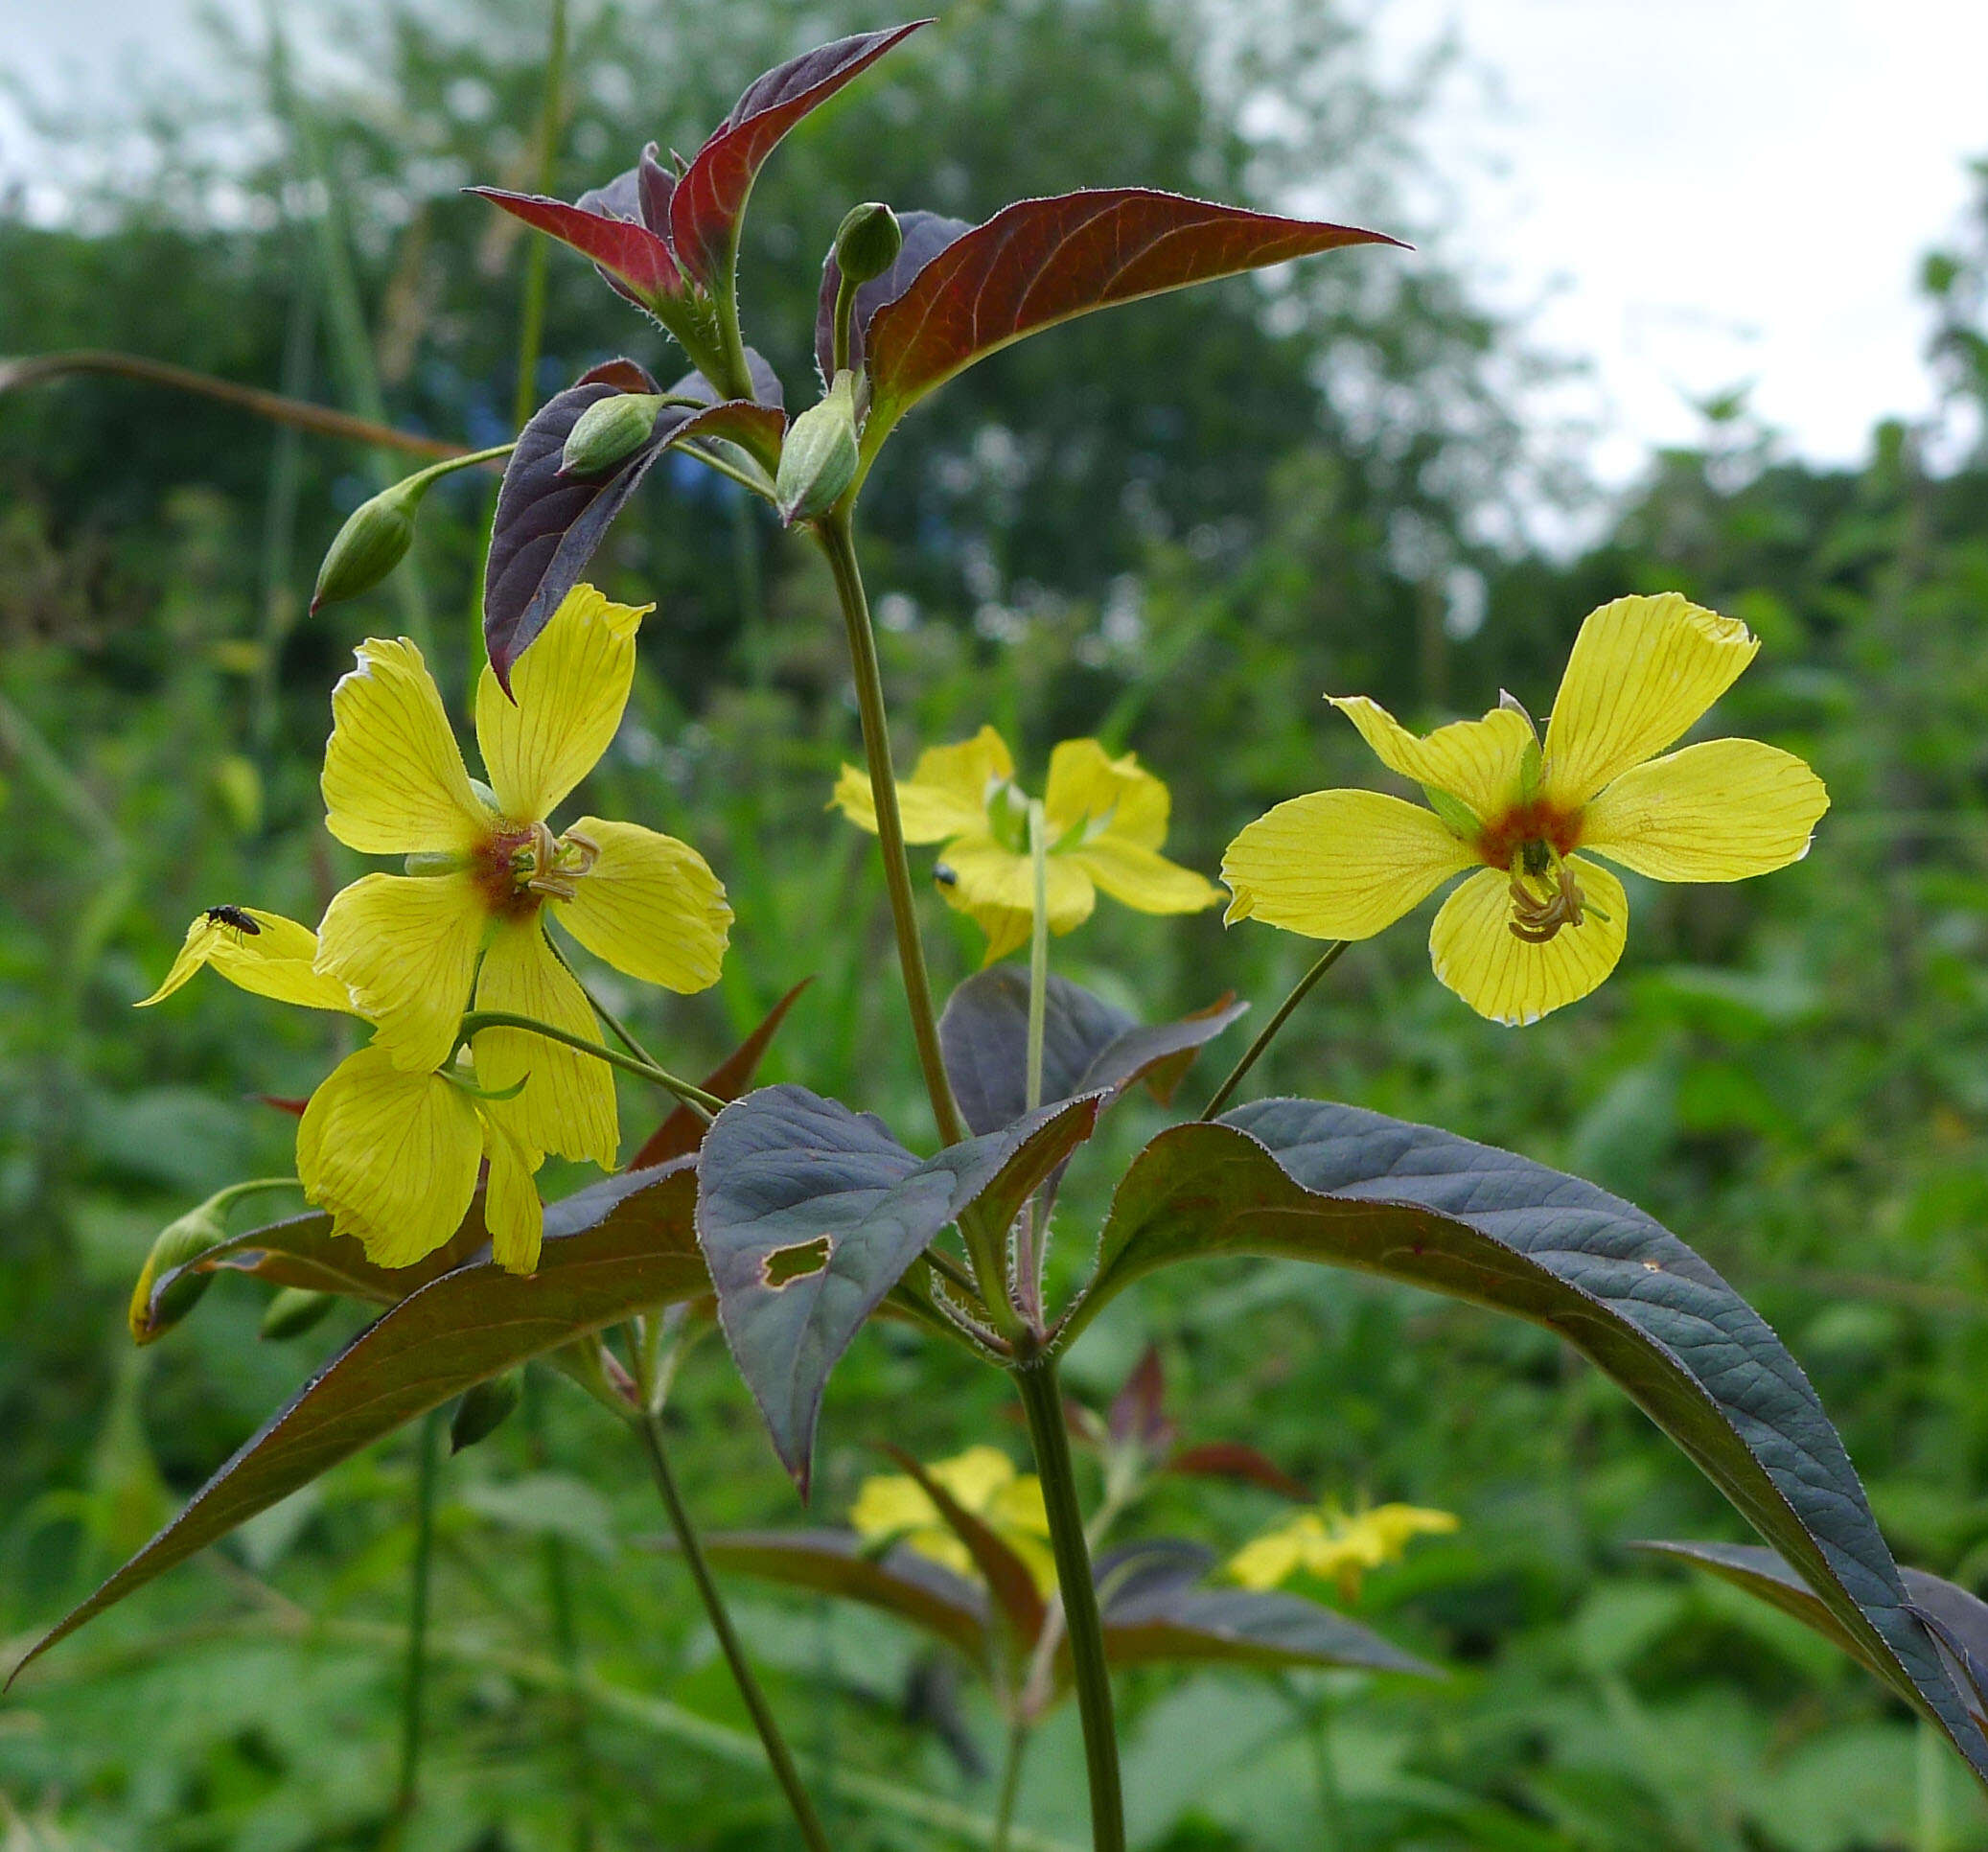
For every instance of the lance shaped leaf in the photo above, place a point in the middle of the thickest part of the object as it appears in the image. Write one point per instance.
(548, 525)
(1236, 1460)
(899, 1581)
(809, 1212)
(684, 1130)
(1957, 1619)
(924, 235)
(1153, 1608)
(611, 1250)
(632, 257)
(1040, 261)
(1000, 1567)
(711, 198)
(1347, 1187)
(1088, 1045)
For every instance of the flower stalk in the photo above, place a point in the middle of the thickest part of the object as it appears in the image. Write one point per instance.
(708, 1105)
(1252, 1055)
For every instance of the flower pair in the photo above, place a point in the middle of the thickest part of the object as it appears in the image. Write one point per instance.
(391, 1142)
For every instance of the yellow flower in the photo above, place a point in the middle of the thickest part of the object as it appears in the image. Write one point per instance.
(1106, 818)
(392, 1156)
(894, 1507)
(414, 948)
(1336, 1545)
(1538, 926)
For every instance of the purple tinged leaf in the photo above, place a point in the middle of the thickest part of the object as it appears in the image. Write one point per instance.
(711, 198)
(684, 1130)
(1040, 261)
(925, 234)
(549, 524)
(1305, 1180)
(809, 1214)
(1233, 1460)
(1139, 1411)
(1241, 1627)
(1008, 1577)
(634, 260)
(622, 1246)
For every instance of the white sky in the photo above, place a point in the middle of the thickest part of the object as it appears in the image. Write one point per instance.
(1692, 195)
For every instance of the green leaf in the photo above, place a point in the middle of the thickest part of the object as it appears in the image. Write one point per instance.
(838, 1562)
(1347, 1187)
(1957, 1619)
(809, 1214)
(1088, 1046)
(609, 1251)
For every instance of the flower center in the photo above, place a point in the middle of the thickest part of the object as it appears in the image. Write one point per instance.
(522, 866)
(1545, 896)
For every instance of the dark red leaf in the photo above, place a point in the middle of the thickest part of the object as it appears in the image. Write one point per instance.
(549, 525)
(1139, 1411)
(684, 1131)
(926, 234)
(710, 199)
(1233, 1460)
(632, 257)
(1043, 260)
(1007, 1576)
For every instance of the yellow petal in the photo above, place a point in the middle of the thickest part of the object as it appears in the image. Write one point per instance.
(649, 905)
(1147, 882)
(1017, 1507)
(274, 960)
(391, 1155)
(974, 1477)
(1717, 812)
(1339, 864)
(571, 686)
(946, 796)
(1393, 1525)
(1476, 760)
(406, 946)
(567, 1104)
(1088, 786)
(1270, 1560)
(512, 1210)
(1641, 672)
(394, 782)
(1505, 978)
(888, 1505)
(997, 888)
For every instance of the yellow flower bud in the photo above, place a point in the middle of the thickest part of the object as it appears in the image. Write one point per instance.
(819, 459)
(177, 1242)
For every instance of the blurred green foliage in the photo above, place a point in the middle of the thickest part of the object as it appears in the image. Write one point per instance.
(1174, 526)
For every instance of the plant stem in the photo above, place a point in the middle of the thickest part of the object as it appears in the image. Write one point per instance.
(414, 1688)
(1011, 1784)
(650, 1426)
(565, 1633)
(838, 544)
(1326, 958)
(279, 409)
(1042, 1399)
(694, 1098)
(1331, 1806)
(1038, 948)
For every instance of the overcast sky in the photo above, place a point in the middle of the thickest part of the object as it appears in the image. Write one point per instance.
(1693, 195)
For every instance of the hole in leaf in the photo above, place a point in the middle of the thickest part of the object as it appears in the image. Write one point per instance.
(786, 1265)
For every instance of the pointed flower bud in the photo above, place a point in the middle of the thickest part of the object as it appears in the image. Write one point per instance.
(608, 430)
(819, 459)
(485, 1407)
(375, 540)
(868, 242)
(293, 1312)
(178, 1242)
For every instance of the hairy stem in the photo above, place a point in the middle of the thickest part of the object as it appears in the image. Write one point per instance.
(1042, 1399)
(1325, 961)
(650, 1428)
(693, 1096)
(838, 544)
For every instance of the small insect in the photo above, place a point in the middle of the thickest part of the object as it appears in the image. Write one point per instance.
(945, 877)
(232, 916)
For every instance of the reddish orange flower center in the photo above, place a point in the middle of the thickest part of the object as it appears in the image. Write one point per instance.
(1535, 820)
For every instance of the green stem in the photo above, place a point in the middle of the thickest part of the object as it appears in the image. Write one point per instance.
(650, 1428)
(694, 1098)
(1011, 1784)
(1330, 1805)
(1042, 1399)
(223, 1199)
(414, 1688)
(1326, 958)
(838, 544)
(610, 1022)
(845, 318)
(565, 1635)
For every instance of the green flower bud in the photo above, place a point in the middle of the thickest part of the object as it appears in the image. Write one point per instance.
(293, 1312)
(608, 430)
(868, 242)
(375, 540)
(819, 459)
(485, 1407)
(178, 1244)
